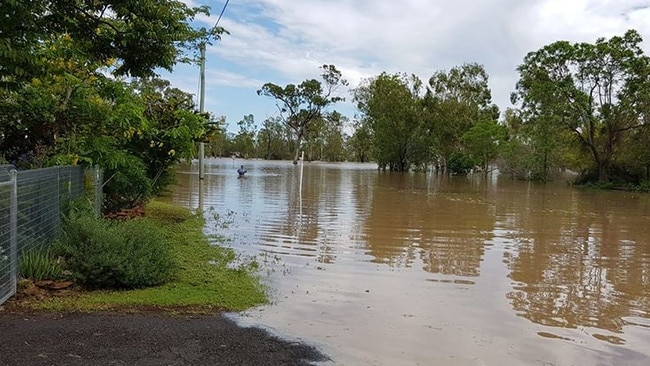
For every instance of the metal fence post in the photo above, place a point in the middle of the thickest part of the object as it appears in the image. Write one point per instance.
(13, 230)
(97, 184)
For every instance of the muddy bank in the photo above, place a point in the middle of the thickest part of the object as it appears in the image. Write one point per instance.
(126, 339)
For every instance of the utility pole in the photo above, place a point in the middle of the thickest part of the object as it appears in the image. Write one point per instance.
(202, 96)
(201, 110)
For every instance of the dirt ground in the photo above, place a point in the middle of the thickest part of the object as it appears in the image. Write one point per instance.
(142, 340)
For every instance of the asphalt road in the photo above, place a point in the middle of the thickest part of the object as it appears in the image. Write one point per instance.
(142, 340)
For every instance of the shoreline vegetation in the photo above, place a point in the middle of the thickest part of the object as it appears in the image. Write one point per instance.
(204, 280)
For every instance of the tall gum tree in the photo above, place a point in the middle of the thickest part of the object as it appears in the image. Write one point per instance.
(598, 92)
(454, 102)
(303, 104)
(391, 111)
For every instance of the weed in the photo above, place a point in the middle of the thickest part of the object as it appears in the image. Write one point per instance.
(38, 265)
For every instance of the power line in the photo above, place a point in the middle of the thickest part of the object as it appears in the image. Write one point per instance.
(222, 11)
(198, 87)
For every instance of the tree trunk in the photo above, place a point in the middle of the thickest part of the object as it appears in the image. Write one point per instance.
(603, 171)
(296, 153)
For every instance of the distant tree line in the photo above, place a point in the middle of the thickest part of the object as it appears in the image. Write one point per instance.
(582, 107)
(325, 140)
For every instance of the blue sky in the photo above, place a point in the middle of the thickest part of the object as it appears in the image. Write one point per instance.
(285, 41)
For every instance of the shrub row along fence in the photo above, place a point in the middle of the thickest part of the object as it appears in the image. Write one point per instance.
(31, 203)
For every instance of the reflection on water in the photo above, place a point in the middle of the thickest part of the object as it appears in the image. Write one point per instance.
(583, 260)
(400, 269)
(412, 215)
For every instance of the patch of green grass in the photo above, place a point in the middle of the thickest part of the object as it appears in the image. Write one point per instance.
(38, 265)
(203, 282)
(166, 212)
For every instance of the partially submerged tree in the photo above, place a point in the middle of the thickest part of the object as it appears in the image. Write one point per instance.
(483, 143)
(390, 107)
(597, 92)
(360, 143)
(244, 141)
(455, 101)
(303, 104)
(273, 140)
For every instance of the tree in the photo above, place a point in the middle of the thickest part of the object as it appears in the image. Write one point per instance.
(454, 102)
(76, 115)
(597, 92)
(303, 104)
(360, 143)
(34, 117)
(536, 146)
(389, 104)
(273, 140)
(334, 138)
(173, 127)
(140, 35)
(244, 141)
(217, 141)
(57, 106)
(315, 139)
(483, 142)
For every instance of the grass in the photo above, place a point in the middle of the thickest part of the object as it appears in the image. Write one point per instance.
(203, 282)
(38, 265)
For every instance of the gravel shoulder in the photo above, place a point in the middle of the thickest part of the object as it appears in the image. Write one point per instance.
(142, 340)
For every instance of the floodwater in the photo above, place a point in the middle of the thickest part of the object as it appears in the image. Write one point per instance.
(379, 268)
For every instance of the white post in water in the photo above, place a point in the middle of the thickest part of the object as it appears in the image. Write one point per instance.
(201, 109)
(302, 160)
(302, 163)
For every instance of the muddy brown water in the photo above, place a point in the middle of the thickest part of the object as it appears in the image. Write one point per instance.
(381, 268)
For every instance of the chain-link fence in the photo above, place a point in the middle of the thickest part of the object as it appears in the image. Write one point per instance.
(31, 202)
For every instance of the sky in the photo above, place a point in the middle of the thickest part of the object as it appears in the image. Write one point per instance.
(286, 41)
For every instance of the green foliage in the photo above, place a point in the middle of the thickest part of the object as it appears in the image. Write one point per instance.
(303, 104)
(38, 265)
(596, 92)
(141, 35)
(126, 184)
(456, 100)
(483, 142)
(59, 107)
(275, 140)
(167, 213)
(360, 144)
(120, 255)
(460, 163)
(136, 132)
(389, 104)
(244, 141)
(409, 128)
(204, 279)
(333, 139)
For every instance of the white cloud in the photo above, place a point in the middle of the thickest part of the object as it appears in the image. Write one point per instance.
(284, 41)
(217, 78)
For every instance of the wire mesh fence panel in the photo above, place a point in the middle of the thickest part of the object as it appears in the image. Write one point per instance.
(7, 233)
(42, 194)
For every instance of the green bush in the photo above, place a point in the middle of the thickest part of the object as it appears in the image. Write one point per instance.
(115, 255)
(126, 185)
(166, 212)
(460, 164)
(39, 265)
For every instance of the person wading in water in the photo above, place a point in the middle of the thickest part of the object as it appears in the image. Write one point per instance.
(241, 171)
